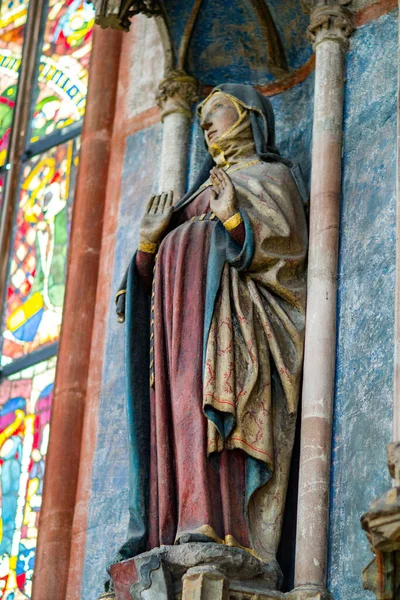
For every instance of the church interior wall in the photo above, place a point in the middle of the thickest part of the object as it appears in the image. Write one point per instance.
(366, 276)
(364, 378)
(108, 514)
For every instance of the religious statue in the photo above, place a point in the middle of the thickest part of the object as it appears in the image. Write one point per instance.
(214, 309)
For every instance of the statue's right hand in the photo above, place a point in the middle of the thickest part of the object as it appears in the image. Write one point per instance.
(156, 218)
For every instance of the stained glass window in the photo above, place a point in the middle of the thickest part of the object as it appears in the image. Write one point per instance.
(12, 21)
(35, 290)
(63, 71)
(30, 319)
(25, 403)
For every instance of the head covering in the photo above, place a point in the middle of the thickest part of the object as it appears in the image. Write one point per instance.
(262, 125)
(235, 144)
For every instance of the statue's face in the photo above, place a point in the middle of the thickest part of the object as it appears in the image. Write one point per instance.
(217, 116)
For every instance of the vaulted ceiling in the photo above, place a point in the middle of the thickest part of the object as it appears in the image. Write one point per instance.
(255, 41)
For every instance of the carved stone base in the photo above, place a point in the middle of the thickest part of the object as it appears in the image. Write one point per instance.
(201, 583)
(308, 594)
(201, 571)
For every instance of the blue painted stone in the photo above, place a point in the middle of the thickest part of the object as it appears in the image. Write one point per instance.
(108, 511)
(228, 44)
(364, 379)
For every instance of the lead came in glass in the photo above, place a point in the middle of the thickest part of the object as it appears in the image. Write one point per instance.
(63, 70)
(36, 284)
(25, 403)
(12, 22)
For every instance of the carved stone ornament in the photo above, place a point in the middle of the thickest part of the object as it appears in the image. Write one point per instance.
(382, 525)
(331, 22)
(117, 13)
(177, 92)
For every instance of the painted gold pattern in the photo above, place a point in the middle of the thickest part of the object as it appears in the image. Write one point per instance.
(259, 317)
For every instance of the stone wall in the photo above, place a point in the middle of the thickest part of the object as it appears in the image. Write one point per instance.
(364, 381)
(366, 285)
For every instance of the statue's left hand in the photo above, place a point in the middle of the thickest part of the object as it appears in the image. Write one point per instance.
(223, 201)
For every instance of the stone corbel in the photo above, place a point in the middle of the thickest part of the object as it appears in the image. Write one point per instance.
(382, 526)
(177, 93)
(117, 13)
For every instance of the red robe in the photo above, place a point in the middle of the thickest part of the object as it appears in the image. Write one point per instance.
(189, 496)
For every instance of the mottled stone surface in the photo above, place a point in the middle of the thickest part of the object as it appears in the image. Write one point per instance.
(228, 44)
(293, 123)
(364, 386)
(108, 514)
(146, 65)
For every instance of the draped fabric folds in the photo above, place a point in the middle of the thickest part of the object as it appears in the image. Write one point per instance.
(242, 368)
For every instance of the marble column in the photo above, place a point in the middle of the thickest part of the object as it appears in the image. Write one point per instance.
(178, 91)
(330, 29)
(63, 458)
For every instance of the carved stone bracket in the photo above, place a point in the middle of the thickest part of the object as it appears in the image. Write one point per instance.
(117, 13)
(177, 92)
(331, 22)
(382, 525)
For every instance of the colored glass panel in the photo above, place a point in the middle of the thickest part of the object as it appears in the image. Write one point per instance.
(63, 70)
(36, 281)
(25, 403)
(13, 16)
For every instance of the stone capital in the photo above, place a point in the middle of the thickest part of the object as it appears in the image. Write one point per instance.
(331, 22)
(177, 92)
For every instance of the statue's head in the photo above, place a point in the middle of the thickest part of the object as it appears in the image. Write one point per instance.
(219, 113)
(237, 115)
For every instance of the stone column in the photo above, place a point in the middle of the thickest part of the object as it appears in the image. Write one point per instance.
(178, 91)
(63, 458)
(329, 30)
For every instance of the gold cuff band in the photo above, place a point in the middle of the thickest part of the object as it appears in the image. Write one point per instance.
(119, 294)
(148, 247)
(233, 222)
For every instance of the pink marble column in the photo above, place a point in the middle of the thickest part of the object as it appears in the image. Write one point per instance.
(330, 28)
(63, 458)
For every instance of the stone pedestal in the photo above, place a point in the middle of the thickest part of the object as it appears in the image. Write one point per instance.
(201, 571)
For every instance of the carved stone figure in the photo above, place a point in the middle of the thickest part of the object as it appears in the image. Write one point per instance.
(214, 310)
